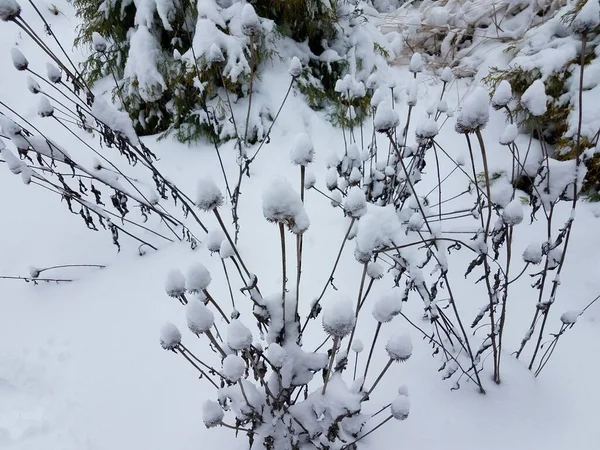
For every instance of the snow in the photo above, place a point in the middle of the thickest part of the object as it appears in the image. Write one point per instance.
(212, 413)
(386, 118)
(475, 112)
(18, 59)
(214, 240)
(9, 9)
(45, 109)
(416, 63)
(509, 134)
(295, 69)
(233, 368)
(446, 75)
(198, 278)
(570, 317)
(33, 86)
(170, 336)
(276, 354)
(142, 65)
(303, 151)
(399, 347)
(502, 95)
(239, 337)
(513, 212)
(199, 318)
(215, 55)
(533, 253)
(250, 21)
(357, 345)
(534, 98)
(53, 73)
(388, 306)
(375, 270)
(338, 317)
(400, 407)
(208, 195)
(99, 43)
(226, 250)
(175, 283)
(356, 203)
(588, 17)
(282, 204)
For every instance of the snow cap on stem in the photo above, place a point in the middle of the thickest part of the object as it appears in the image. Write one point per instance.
(276, 354)
(387, 307)
(226, 250)
(509, 134)
(513, 212)
(400, 407)
(303, 151)
(99, 43)
(250, 21)
(416, 63)
(9, 9)
(198, 278)
(215, 55)
(446, 75)
(199, 318)
(399, 347)
(588, 17)
(18, 59)
(295, 69)
(45, 109)
(475, 112)
(233, 368)
(214, 239)
(175, 283)
(386, 119)
(170, 336)
(53, 73)
(533, 253)
(338, 318)
(208, 195)
(212, 414)
(282, 204)
(534, 98)
(239, 337)
(33, 86)
(502, 95)
(357, 346)
(375, 270)
(356, 203)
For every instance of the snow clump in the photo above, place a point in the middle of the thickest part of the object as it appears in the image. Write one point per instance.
(475, 112)
(212, 414)
(175, 283)
(170, 336)
(387, 307)
(199, 318)
(233, 368)
(198, 278)
(239, 337)
(208, 195)
(303, 152)
(399, 347)
(338, 318)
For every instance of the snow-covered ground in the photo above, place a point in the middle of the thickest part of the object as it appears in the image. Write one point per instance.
(80, 363)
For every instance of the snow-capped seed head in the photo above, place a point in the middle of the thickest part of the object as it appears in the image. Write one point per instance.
(215, 55)
(239, 337)
(170, 336)
(399, 347)
(509, 134)
(513, 212)
(387, 307)
(386, 118)
(446, 75)
(534, 99)
(212, 414)
(18, 59)
(309, 180)
(357, 345)
(570, 317)
(198, 278)
(416, 63)
(400, 408)
(361, 256)
(9, 10)
(214, 239)
(533, 254)
(356, 203)
(338, 318)
(208, 195)
(331, 178)
(233, 368)
(226, 250)
(33, 86)
(199, 318)
(45, 109)
(281, 203)
(336, 198)
(53, 73)
(412, 90)
(301, 222)
(276, 355)
(372, 81)
(427, 129)
(475, 112)
(250, 21)
(588, 17)
(502, 95)
(99, 43)
(175, 283)
(403, 390)
(303, 151)
(442, 106)
(295, 69)
(375, 270)
(34, 272)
